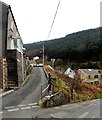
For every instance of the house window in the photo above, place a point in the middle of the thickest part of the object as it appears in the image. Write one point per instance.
(96, 76)
(101, 76)
(96, 82)
(89, 76)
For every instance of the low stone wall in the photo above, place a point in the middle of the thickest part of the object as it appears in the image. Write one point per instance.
(52, 100)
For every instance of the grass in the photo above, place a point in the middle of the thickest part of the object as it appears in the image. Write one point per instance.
(99, 95)
(82, 95)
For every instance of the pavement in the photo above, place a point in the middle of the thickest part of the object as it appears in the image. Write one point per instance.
(3, 93)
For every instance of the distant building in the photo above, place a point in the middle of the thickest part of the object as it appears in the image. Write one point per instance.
(92, 76)
(12, 61)
(70, 73)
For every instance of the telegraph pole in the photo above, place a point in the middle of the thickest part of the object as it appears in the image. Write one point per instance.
(43, 55)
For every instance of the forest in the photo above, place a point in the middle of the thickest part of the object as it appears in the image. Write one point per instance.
(80, 47)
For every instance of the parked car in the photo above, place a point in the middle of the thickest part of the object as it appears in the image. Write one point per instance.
(35, 65)
(40, 65)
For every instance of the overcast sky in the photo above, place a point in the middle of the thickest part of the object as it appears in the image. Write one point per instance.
(34, 17)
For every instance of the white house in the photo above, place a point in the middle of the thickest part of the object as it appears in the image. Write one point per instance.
(70, 73)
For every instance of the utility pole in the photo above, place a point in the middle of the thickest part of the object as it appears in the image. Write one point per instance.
(43, 55)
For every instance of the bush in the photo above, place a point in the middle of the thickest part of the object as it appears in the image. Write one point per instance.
(29, 70)
(99, 95)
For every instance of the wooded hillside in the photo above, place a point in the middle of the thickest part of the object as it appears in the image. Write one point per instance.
(81, 46)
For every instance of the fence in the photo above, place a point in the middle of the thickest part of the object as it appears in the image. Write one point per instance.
(0, 73)
(3, 73)
(46, 86)
(44, 89)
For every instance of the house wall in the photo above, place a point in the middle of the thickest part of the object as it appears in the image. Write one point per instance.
(17, 74)
(14, 40)
(18, 70)
(0, 29)
(83, 76)
(3, 35)
(11, 50)
(12, 31)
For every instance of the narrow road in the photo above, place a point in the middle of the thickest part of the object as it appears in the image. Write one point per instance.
(27, 94)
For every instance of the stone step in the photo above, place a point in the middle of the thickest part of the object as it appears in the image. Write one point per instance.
(12, 82)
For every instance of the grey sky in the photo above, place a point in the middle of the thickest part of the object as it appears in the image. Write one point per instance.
(34, 17)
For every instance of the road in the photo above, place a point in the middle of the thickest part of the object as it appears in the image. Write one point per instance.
(88, 109)
(27, 95)
(22, 103)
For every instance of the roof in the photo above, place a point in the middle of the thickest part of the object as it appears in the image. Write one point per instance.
(9, 7)
(91, 71)
(100, 71)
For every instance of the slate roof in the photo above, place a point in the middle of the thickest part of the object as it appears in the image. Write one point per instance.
(91, 71)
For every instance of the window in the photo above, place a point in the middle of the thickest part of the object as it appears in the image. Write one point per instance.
(99, 71)
(96, 76)
(89, 76)
(101, 76)
(96, 82)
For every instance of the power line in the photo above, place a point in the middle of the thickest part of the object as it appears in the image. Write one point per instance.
(54, 19)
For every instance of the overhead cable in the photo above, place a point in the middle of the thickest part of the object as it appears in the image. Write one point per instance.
(54, 19)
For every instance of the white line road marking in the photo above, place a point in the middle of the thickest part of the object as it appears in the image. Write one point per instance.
(90, 104)
(32, 104)
(9, 107)
(11, 110)
(21, 105)
(24, 108)
(1, 112)
(83, 115)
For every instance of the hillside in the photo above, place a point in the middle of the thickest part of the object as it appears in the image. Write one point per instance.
(80, 46)
(81, 91)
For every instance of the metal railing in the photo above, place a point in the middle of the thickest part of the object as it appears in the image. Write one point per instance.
(44, 89)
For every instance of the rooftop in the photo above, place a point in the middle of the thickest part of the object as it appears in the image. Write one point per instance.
(91, 71)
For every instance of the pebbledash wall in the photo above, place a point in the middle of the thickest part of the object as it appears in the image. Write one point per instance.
(12, 61)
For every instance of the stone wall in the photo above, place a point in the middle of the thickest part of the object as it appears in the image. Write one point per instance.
(12, 69)
(52, 100)
(5, 74)
(17, 67)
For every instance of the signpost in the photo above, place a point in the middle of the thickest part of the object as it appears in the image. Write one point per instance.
(53, 61)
